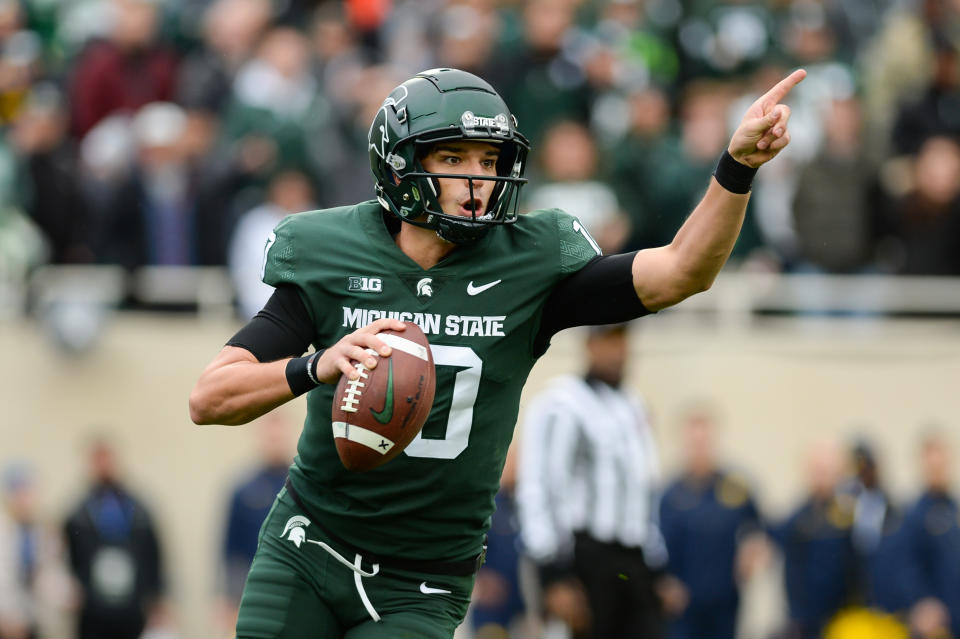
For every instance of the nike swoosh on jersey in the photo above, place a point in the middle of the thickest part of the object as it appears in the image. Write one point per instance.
(476, 290)
(427, 590)
(385, 415)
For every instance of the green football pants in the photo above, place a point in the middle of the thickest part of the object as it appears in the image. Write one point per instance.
(303, 585)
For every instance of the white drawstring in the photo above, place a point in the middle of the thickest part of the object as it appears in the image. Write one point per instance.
(358, 574)
(343, 560)
(363, 593)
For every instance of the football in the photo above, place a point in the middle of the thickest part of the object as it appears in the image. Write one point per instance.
(378, 414)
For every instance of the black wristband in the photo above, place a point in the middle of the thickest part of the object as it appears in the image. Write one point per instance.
(732, 175)
(302, 373)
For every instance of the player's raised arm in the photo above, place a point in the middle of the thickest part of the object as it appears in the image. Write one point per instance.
(666, 275)
(236, 387)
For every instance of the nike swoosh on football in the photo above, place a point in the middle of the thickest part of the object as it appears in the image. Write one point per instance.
(385, 415)
(476, 290)
(427, 590)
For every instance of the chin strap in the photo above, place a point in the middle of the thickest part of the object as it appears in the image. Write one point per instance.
(461, 232)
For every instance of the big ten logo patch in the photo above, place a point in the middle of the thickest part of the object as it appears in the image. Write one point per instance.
(364, 284)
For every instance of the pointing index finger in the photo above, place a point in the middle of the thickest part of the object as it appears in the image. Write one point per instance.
(782, 88)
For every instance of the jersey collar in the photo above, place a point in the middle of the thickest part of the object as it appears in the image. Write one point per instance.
(371, 220)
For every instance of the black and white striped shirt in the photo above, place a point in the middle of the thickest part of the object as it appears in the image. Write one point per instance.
(588, 463)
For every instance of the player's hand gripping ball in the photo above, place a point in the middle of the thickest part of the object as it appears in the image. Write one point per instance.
(377, 415)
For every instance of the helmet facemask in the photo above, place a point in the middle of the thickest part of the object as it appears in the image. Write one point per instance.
(502, 206)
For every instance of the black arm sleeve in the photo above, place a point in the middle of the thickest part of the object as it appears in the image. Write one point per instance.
(281, 329)
(600, 293)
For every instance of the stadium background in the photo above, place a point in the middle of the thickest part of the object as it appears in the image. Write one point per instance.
(779, 386)
(780, 345)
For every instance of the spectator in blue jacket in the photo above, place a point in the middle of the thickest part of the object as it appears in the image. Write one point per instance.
(817, 546)
(876, 522)
(115, 555)
(931, 548)
(706, 514)
(250, 501)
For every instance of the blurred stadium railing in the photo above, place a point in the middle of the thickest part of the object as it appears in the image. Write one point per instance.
(734, 298)
(740, 294)
(206, 289)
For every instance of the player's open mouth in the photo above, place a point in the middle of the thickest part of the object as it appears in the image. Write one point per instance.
(470, 207)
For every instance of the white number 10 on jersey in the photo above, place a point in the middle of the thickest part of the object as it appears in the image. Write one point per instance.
(460, 420)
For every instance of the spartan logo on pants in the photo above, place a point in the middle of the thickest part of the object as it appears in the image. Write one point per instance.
(295, 526)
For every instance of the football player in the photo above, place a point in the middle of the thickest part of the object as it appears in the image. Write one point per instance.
(392, 552)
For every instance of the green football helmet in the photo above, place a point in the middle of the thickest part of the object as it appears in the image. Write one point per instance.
(434, 106)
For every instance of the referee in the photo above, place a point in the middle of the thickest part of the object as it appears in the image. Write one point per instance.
(588, 494)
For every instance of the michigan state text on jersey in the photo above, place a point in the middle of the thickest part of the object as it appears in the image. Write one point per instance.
(392, 552)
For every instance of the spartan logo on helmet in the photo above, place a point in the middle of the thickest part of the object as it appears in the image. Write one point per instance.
(424, 288)
(295, 526)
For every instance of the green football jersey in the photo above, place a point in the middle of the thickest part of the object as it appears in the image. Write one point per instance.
(480, 307)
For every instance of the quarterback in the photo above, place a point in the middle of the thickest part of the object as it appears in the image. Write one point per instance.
(392, 552)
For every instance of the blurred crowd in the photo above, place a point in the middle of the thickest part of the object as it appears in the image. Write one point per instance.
(850, 561)
(100, 569)
(175, 132)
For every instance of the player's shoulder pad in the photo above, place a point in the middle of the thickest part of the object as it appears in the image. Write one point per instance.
(283, 255)
(549, 218)
(313, 221)
(539, 224)
(541, 215)
(574, 244)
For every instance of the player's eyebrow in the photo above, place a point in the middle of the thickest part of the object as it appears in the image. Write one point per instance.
(456, 148)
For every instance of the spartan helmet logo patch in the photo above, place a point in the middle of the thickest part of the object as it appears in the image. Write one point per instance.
(425, 287)
(295, 527)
